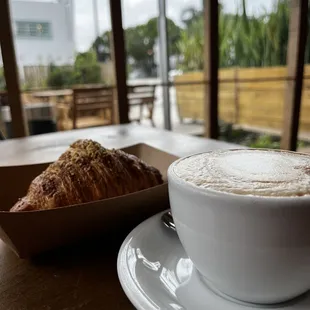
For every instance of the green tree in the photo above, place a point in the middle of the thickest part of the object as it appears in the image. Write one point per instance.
(140, 42)
(190, 15)
(191, 43)
(276, 32)
(245, 41)
(190, 46)
(84, 71)
(59, 77)
(86, 68)
(102, 46)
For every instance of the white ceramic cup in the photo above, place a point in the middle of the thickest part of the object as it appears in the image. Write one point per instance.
(252, 248)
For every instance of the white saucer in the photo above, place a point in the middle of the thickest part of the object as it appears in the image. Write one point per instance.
(156, 273)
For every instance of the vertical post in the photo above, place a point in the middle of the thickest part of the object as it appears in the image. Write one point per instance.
(164, 61)
(10, 71)
(236, 89)
(96, 18)
(295, 68)
(74, 111)
(211, 68)
(119, 57)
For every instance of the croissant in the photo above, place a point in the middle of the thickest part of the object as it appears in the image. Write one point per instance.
(87, 172)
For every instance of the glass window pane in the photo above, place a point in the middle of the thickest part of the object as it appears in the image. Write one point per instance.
(253, 37)
(143, 62)
(57, 47)
(141, 38)
(33, 29)
(185, 40)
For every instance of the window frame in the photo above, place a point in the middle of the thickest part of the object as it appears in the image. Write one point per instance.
(32, 27)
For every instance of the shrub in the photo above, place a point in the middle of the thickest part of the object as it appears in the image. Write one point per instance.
(59, 77)
(266, 141)
(84, 71)
(86, 68)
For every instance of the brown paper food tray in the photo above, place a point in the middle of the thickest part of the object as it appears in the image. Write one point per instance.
(30, 233)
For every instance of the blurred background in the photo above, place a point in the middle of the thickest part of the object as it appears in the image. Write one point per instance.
(64, 43)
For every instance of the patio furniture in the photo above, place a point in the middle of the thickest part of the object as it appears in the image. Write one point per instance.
(142, 96)
(40, 117)
(92, 107)
(46, 95)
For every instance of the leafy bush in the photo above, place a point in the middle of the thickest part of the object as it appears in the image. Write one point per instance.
(60, 77)
(84, 71)
(266, 141)
(270, 142)
(190, 46)
(252, 139)
(86, 68)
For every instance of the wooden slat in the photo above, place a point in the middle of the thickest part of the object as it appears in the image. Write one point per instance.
(211, 68)
(119, 57)
(81, 102)
(141, 90)
(142, 86)
(91, 121)
(86, 89)
(93, 99)
(93, 106)
(94, 92)
(10, 71)
(295, 67)
(236, 97)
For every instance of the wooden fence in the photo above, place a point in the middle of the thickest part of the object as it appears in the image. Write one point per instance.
(251, 97)
(35, 77)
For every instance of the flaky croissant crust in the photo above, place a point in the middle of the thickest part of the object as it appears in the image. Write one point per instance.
(87, 172)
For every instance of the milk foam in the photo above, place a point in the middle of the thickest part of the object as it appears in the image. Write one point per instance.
(248, 172)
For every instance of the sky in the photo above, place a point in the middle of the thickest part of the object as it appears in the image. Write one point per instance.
(140, 11)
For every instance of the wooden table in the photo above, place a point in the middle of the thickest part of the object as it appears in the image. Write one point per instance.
(81, 276)
(47, 94)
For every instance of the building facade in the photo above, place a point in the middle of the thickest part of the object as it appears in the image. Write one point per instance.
(43, 32)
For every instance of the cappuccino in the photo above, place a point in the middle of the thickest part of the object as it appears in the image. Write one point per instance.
(248, 172)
